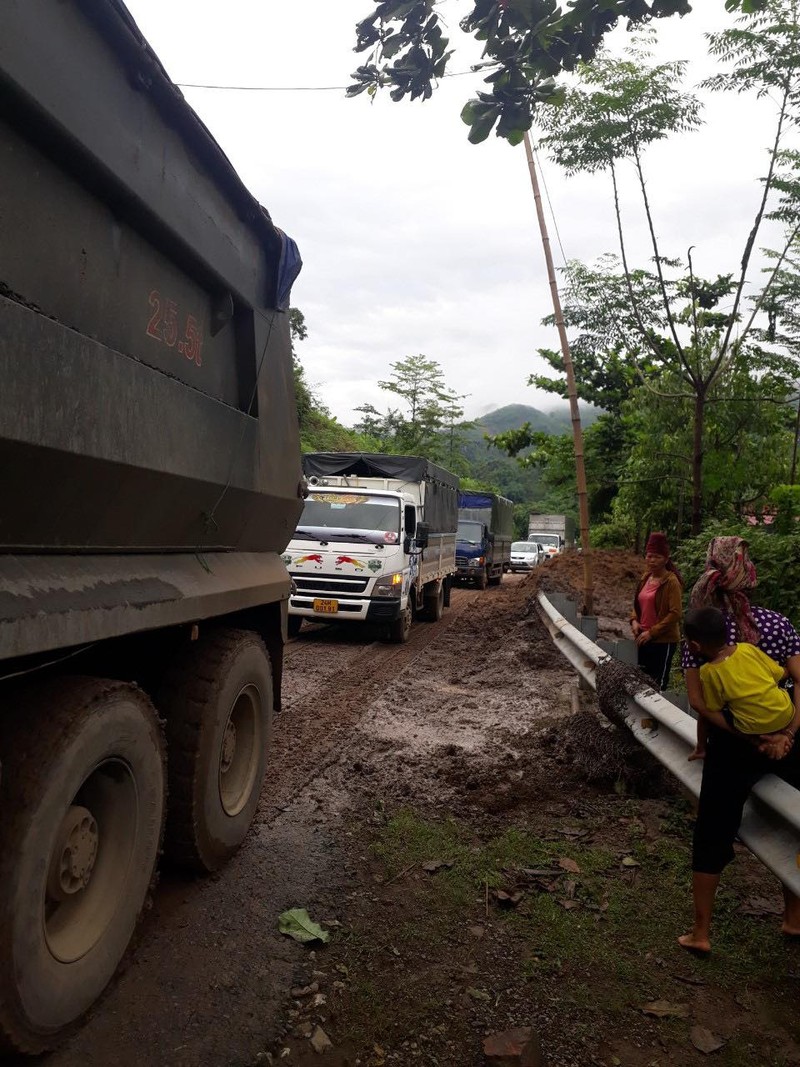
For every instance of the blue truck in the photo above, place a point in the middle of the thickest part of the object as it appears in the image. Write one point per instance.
(483, 542)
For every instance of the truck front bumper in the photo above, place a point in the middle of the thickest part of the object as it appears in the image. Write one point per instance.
(380, 609)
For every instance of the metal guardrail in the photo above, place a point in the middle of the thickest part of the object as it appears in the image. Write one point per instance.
(771, 823)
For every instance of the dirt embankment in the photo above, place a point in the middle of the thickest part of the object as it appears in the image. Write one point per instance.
(615, 576)
(481, 861)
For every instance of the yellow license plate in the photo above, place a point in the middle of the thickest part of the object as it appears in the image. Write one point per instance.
(326, 607)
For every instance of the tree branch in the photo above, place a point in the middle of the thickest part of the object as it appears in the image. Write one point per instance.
(770, 282)
(748, 248)
(654, 240)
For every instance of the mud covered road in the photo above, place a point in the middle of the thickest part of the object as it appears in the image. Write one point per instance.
(463, 748)
(209, 977)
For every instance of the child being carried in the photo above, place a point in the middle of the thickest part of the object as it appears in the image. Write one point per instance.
(740, 687)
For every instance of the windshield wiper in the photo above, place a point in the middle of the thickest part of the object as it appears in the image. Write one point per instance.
(338, 533)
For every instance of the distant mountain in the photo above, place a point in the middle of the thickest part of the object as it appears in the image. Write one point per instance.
(494, 467)
(513, 416)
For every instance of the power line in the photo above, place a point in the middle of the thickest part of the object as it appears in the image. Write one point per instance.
(550, 205)
(265, 88)
(290, 88)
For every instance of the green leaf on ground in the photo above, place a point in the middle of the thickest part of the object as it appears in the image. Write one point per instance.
(297, 923)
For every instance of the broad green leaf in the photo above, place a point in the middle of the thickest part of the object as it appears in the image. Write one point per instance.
(297, 923)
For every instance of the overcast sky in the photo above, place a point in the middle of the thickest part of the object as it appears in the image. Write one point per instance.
(413, 240)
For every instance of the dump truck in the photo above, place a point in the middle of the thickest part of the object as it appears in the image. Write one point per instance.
(376, 542)
(150, 479)
(485, 531)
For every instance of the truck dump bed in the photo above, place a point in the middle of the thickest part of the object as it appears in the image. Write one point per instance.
(147, 400)
(147, 414)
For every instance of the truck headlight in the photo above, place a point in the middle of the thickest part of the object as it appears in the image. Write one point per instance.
(478, 562)
(390, 585)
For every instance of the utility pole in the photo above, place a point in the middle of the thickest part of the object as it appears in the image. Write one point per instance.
(577, 432)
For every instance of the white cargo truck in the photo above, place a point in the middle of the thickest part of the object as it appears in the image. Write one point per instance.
(376, 542)
(553, 532)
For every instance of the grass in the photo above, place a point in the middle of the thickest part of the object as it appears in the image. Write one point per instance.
(614, 952)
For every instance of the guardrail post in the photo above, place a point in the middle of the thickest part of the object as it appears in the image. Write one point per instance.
(565, 607)
(588, 626)
(679, 699)
(626, 652)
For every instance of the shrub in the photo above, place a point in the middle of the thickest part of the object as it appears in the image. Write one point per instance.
(611, 535)
(777, 560)
(786, 499)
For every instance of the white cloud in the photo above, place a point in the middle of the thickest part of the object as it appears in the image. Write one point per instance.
(414, 240)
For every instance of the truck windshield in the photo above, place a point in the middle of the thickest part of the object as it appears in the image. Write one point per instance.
(546, 539)
(471, 532)
(350, 517)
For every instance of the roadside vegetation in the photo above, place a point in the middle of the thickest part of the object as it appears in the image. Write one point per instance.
(692, 380)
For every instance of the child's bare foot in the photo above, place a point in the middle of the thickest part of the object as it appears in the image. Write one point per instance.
(692, 943)
(698, 753)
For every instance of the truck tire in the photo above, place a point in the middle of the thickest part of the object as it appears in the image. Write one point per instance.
(399, 629)
(497, 579)
(82, 800)
(482, 580)
(217, 702)
(434, 605)
(293, 625)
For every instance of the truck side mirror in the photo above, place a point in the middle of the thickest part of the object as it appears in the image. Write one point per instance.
(423, 531)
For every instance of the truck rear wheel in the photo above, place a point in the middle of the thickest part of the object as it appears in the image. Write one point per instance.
(434, 605)
(217, 700)
(497, 579)
(83, 802)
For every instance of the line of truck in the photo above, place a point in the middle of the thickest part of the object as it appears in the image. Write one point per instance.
(153, 499)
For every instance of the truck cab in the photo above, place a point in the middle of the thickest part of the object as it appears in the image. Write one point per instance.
(474, 546)
(483, 540)
(354, 555)
(375, 542)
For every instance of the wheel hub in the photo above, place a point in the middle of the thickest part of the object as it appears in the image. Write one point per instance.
(228, 747)
(74, 854)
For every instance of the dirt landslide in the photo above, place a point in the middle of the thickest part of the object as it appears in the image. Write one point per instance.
(484, 854)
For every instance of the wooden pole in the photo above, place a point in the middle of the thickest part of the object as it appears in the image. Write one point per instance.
(572, 392)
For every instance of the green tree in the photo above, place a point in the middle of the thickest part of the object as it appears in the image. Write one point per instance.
(605, 444)
(430, 419)
(616, 111)
(526, 45)
(747, 447)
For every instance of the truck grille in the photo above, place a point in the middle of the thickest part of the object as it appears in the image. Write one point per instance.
(461, 561)
(313, 585)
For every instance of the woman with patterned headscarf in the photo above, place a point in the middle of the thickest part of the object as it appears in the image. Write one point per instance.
(734, 762)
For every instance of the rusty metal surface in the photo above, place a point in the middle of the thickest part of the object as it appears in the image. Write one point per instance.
(58, 602)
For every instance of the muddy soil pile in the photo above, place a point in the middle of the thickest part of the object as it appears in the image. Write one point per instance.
(615, 573)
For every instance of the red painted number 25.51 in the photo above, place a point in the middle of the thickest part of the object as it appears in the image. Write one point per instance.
(163, 326)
